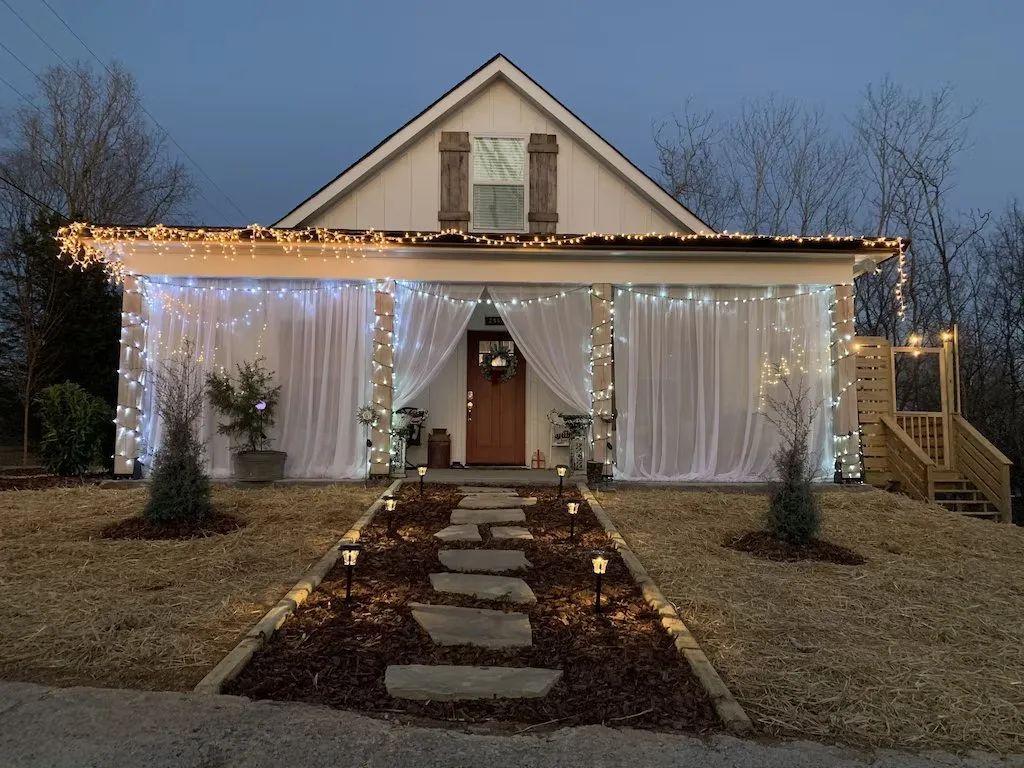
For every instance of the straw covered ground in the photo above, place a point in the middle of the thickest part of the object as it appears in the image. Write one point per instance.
(922, 646)
(78, 609)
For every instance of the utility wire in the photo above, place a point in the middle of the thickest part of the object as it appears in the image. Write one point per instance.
(88, 84)
(33, 198)
(26, 98)
(146, 111)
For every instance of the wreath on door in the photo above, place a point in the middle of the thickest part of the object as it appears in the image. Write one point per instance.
(499, 364)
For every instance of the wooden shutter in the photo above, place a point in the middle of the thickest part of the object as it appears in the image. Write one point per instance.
(454, 213)
(543, 215)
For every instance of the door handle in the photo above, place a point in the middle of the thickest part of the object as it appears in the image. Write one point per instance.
(469, 405)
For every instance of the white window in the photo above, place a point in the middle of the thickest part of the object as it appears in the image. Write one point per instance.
(499, 184)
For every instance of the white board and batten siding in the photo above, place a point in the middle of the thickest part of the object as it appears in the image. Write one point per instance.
(405, 193)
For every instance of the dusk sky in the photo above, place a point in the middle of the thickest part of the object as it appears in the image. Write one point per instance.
(273, 99)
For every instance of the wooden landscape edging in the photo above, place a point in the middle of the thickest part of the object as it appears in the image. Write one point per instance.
(231, 666)
(729, 710)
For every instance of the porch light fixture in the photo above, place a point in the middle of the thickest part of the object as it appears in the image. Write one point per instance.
(574, 508)
(349, 552)
(561, 469)
(421, 470)
(599, 559)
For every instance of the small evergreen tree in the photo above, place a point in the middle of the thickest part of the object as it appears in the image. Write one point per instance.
(248, 401)
(793, 512)
(179, 489)
(73, 422)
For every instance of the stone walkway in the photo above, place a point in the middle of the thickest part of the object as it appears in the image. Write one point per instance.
(471, 572)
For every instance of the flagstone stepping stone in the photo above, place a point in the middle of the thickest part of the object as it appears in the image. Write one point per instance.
(450, 625)
(495, 501)
(486, 489)
(509, 532)
(485, 516)
(487, 560)
(484, 587)
(463, 532)
(447, 682)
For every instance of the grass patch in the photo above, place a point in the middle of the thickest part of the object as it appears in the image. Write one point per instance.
(918, 647)
(80, 609)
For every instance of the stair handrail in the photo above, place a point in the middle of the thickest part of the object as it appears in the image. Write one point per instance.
(920, 483)
(995, 487)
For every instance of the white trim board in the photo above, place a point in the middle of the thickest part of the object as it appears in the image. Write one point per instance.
(497, 67)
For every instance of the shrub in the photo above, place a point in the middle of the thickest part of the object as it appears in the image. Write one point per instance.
(73, 422)
(179, 489)
(237, 399)
(793, 512)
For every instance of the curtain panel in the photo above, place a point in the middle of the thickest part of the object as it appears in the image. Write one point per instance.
(695, 372)
(430, 321)
(316, 337)
(553, 332)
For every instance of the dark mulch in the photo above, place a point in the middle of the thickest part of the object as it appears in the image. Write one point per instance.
(618, 667)
(762, 544)
(138, 528)
(36, 479)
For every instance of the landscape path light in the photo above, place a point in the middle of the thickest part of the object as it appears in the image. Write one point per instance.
(561, 469)
(574, 508)
(349, 552)
(422, 470)
(599, 559)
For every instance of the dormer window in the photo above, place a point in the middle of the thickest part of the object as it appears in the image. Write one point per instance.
(499, 184)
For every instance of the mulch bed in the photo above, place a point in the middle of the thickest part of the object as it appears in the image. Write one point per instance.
(762, 544)
(137, 528)
(36, 478)
(619, 667)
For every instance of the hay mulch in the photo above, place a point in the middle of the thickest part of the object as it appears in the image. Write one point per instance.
(80, 609)
(763, 544)
(619, 667)
(919, 647)
(218, 523)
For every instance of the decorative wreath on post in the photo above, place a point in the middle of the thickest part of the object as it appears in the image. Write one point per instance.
(499, 364)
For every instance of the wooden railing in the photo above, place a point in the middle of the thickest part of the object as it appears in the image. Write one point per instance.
(983, 464)
(926, 428)
(908, 463)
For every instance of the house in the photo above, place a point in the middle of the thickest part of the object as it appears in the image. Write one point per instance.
(495, 261)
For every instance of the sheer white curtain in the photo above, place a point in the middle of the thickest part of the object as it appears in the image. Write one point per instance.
(553, 331)
(691, 377)
(430, 320)
(315, 337)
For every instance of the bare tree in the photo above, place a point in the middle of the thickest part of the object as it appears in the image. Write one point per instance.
(771, 169)
(86, 154)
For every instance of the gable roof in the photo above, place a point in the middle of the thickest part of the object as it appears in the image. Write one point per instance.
(496, 67)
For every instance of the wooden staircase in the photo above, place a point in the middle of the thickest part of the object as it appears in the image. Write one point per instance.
(958, 494)
(935, 456)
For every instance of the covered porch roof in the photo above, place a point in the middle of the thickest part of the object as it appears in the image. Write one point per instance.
(451, 256)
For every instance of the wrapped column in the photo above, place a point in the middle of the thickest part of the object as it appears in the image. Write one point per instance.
(602, 359)
(383, 376)
(131, 380)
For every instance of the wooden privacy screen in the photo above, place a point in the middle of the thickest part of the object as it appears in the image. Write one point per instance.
(874, 400)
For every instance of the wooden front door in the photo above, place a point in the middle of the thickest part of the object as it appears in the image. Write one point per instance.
(496, 424)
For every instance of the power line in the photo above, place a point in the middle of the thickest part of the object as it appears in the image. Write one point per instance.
(14, 56)
(146, 112)
(26, 98)
(88, 84)
(33, 198)
(40, 37)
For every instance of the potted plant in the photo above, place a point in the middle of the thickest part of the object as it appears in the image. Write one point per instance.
(248, 401)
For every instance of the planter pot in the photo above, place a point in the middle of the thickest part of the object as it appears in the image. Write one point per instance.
(259, 466)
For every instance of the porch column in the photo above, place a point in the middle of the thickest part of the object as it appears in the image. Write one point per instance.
(602, 359)
(383, 376)
(131, 379)
(844, 383)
